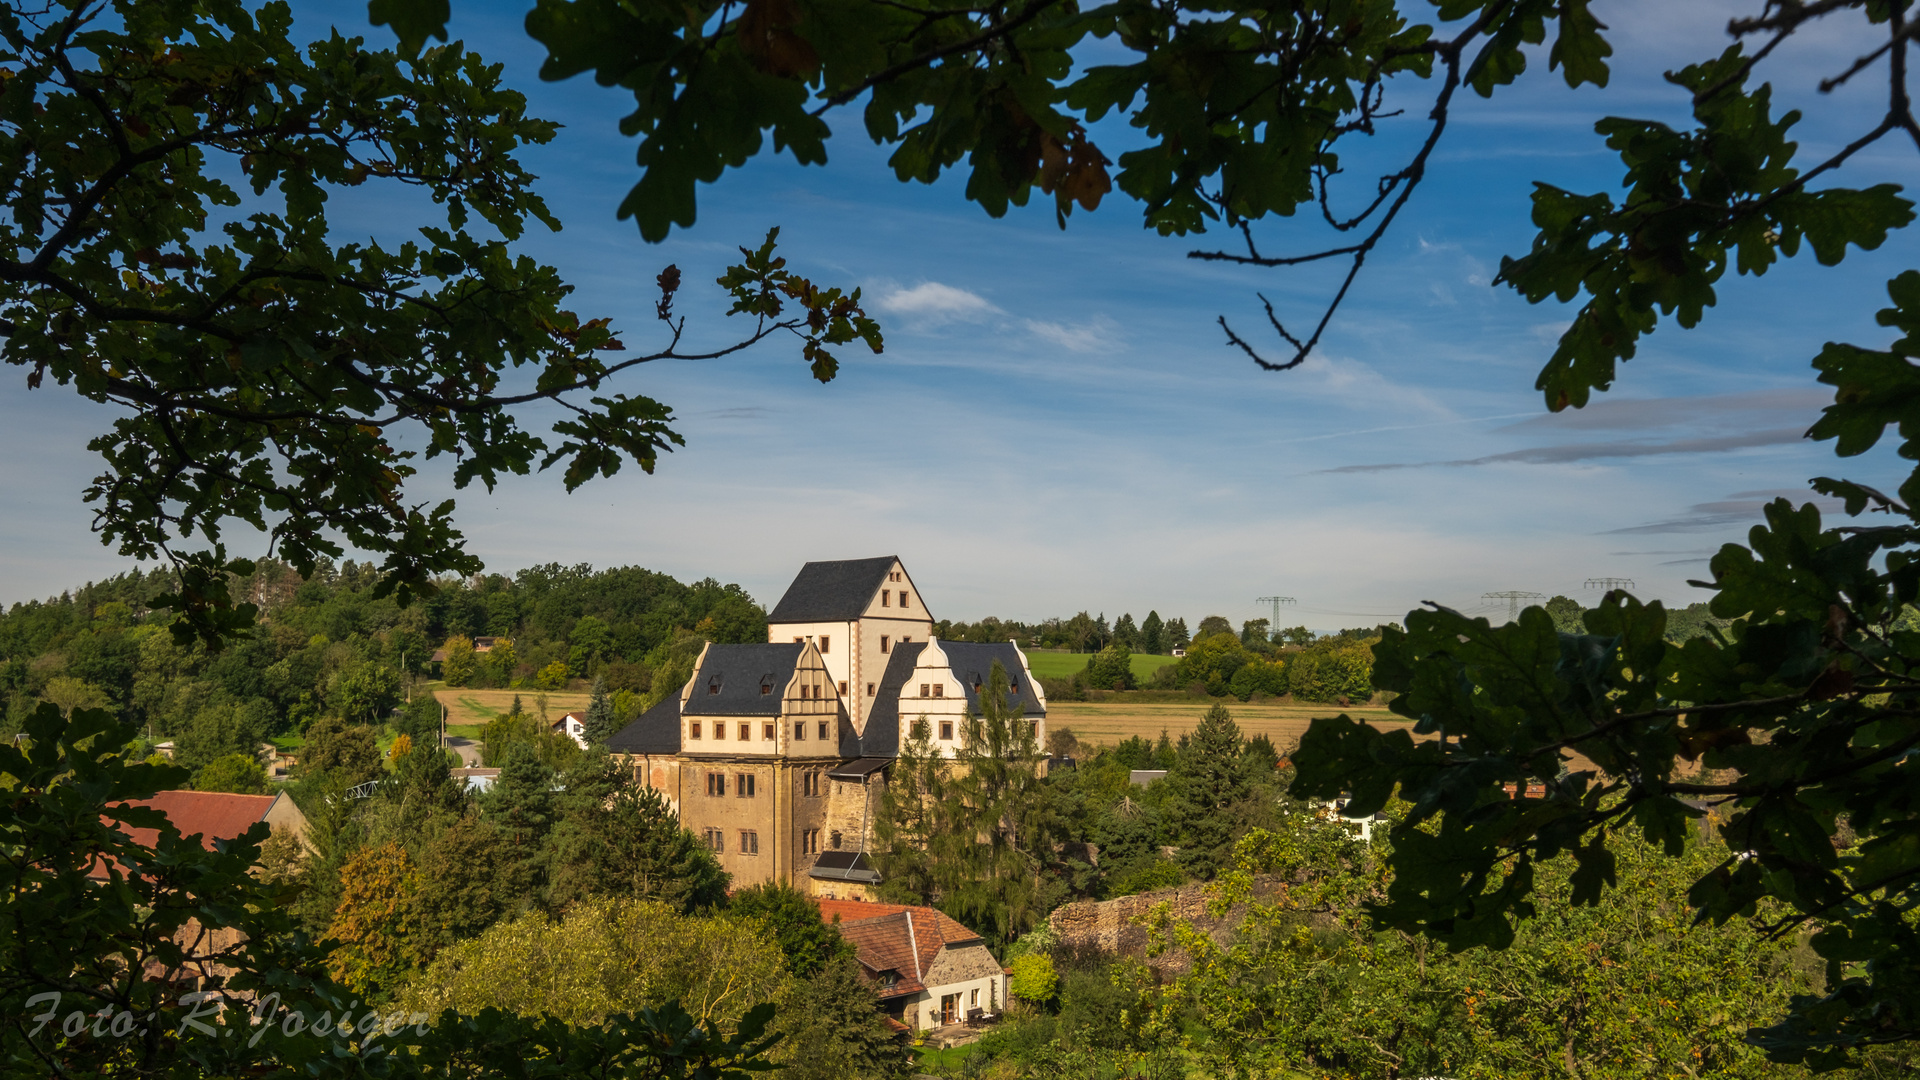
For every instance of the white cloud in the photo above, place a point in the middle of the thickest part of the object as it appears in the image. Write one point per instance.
(1100, 334)
(931, 303)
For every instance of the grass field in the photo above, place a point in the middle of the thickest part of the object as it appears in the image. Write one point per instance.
(1110, 722)
(1047, 664)
(467, 708)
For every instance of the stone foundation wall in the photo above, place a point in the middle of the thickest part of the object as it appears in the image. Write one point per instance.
(1117, 927)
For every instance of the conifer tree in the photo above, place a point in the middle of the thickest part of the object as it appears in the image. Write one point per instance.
(1209, 776)
(600, 723)
(522, 800)
(629, 844)
(836, 1030)
(1153, 635)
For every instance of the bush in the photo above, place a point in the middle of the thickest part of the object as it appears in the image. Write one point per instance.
(1259, 677)
(1330, 673)
(241, 774)
(1034, 978)
(553, 676)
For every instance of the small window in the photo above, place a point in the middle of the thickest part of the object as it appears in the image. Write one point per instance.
(806, 842)
(766, 686)
(843, 688)
(749, 842)
(810, 783)
(886, 597)
(713, 685)
(904, 640)
(926, 690)
(798, 640)
(746, 731)
(743, 786)
(939, 689)
(834, 839)
(716, 841)
(766, 732)
(800, 730)
(946, 730)
(904, 602)
(824, 642)
(883, 643)
(1033, 728)
(870, 689)
(973, 997)
(693, 730)
(1013, 688)
(823, 729)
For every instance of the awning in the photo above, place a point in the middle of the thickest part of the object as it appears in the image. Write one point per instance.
(858, 769)
(845, 866)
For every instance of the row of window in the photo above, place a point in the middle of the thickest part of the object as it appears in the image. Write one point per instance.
(749, 841)
(744, 730)
(886, 599)
(744, 784)
(946, 729)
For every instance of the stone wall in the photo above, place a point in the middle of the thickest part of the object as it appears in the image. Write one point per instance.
(1118, 927)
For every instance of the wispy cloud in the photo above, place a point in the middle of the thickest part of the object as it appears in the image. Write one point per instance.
(1595, 451)
(1097, 335)
(1646, 414)
(931, 303)
(1714, 515)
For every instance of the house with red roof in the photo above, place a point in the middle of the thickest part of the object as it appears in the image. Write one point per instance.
(215, 815)
(929, 970)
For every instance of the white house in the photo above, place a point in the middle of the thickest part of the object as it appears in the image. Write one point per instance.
(928, 970)
(574, 726)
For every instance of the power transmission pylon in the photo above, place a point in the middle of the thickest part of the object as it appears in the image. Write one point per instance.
(1608, 583)
(1276, 601)
(1513, 598)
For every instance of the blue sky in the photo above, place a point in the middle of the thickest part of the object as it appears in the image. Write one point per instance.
(1057, 422)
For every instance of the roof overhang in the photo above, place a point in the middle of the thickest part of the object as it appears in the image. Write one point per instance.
(858, 769)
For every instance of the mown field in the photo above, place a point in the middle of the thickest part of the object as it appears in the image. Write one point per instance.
(1052, 664)
(1109, 722)
(467, 708)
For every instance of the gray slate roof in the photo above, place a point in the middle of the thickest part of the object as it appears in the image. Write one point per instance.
(656, 731)
(730, 679)
(832, 591)
(882, 738)
(972, 663)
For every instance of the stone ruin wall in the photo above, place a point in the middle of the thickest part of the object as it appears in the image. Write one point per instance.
(1118, 927)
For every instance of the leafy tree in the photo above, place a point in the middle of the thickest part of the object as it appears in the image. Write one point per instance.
(1259, 677)
(553, 676)
(1211, 625)
(349, 752)
(590, 642)
(1213, 660)
(1111, 668)
(373, 926)
(497, 664)
(260, 370)
(238, 773)
(1333, 670)
(599, 721)
(1255, 633)
(605, 956)
(1566, 613)
(808, 942)
(221, 729)
(67, 693)
(365, 694)
(1153, 635)
(459, 665)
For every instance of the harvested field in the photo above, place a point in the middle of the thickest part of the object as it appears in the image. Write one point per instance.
(1109, 722)
(467, 707)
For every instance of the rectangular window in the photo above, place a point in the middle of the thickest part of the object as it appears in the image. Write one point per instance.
(843, 688)
(749, 842)
(693, 730)
(946, 730)
(743, 785)
(904, 640)
(713, 686)
(926, 690)
(1013, 687)
(883, 643)
(973, 997)
(824, 642)
(800, 730)
(746, 731)
(766, 688)
(810, 784)
(904, 602)
(870, 689)
(716, 783)
(823, 729)
(939, 689)
(1033, 728)
(798, 640)
(716, 841)
(886, 597)
(766, 732)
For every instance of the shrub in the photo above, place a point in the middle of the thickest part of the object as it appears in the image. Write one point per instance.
(1034, 978)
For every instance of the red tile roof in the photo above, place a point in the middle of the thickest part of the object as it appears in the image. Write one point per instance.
(885, 937)
(215, 815)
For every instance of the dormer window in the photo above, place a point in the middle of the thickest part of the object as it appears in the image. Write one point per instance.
(713, 685)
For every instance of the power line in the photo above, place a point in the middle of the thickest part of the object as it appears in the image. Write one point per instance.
(1608, 583)
(1513, 598)
(1276, 601)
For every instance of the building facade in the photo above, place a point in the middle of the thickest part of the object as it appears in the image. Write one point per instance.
(776, 754)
